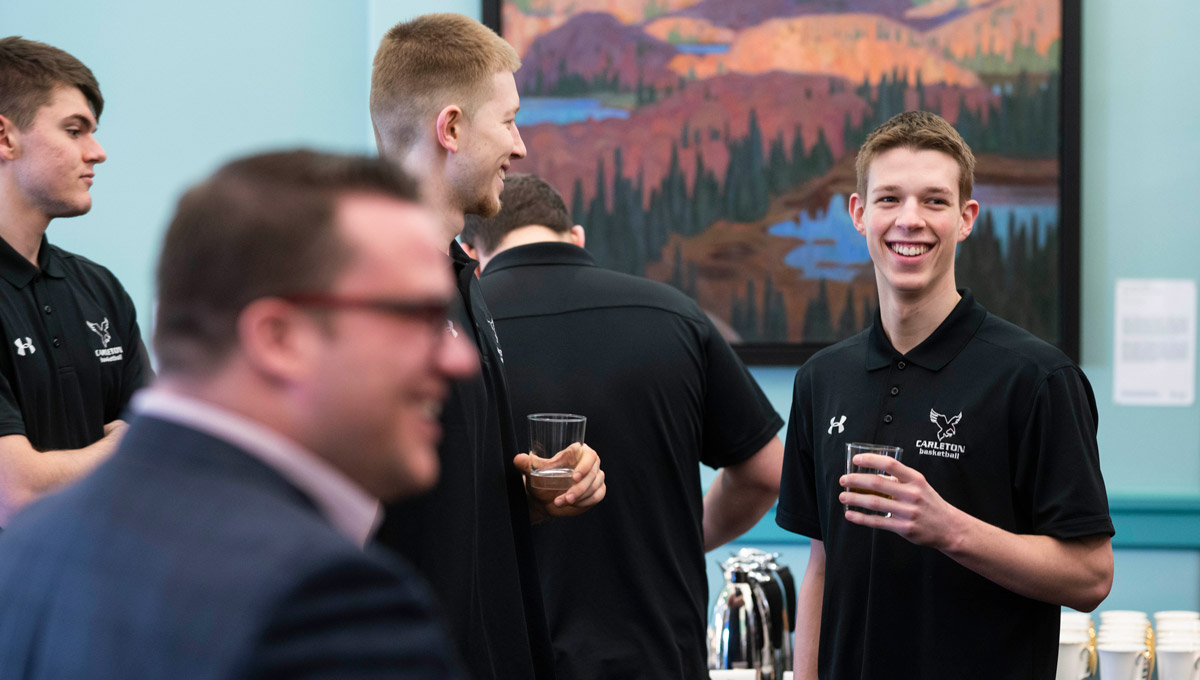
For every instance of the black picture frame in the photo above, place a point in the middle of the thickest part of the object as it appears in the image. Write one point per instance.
(1067, 260)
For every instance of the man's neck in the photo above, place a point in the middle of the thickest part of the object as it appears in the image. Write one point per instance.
(426, 165)
(909, 319)
(21, 225)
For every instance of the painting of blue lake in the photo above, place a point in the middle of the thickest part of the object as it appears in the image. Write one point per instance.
(832, 249)
(564, 110)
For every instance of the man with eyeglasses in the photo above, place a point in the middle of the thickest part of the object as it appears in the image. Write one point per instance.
(304, 357)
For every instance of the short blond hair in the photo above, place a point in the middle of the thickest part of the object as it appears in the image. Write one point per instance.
(429, 63)
(920, 131)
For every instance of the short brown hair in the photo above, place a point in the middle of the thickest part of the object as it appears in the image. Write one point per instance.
(526, 200)
(260, 226)
(430, 62)
(921, 131)
(29, 72)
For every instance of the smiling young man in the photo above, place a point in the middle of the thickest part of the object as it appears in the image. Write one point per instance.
(444, 103)
(996, 516)
(73, 353)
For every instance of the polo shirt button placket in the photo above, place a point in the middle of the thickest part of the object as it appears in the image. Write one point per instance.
(887, 418)
(895, 390)
(47, 309)
(901, 365)
(57, 342)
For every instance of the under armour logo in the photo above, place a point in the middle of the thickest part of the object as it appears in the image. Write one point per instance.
(101, 329)
(450, 327)
(24, 346)
(945, 425)
(840, 424)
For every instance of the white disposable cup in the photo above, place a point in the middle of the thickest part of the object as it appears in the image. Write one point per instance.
(1122, 637)
(1124, 662)
(1114, 615)
(1176, 615)
(1142, 630)
(1176, 663)
(1072, 660)
(1176, 639)
(1075, 621)
(1170, 626)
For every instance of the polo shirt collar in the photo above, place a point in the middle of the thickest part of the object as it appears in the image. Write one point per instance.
(19, 272)
(545, 252)
(950, 337)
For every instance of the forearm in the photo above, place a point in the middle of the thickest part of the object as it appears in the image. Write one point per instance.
(1076, 573)
(731, 510)
(741, 494)
(808, 615)
(26, 474)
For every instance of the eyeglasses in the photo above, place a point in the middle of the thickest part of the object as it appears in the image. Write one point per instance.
(433, 313)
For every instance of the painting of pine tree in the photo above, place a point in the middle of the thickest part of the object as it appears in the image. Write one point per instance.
(710, 144)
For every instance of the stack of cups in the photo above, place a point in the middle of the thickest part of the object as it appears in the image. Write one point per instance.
(1126, 645)
(1076, 647)
(1177, 645)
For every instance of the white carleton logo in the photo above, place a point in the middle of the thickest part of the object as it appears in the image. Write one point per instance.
(101, 329)
(24, 346)
(945, 425)
(946, 430)
(108, 353)
(839, 424)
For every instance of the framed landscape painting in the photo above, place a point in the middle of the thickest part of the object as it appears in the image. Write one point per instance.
(709, 144)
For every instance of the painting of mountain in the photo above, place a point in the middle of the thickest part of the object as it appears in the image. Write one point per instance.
(710, 144)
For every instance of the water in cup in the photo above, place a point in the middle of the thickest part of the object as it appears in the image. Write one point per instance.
(550, 437)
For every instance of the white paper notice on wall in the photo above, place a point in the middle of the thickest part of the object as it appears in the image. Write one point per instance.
(1155, 342)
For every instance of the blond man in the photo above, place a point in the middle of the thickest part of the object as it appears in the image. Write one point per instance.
(444, 103)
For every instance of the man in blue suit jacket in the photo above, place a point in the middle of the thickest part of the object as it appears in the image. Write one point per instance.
(302, 340)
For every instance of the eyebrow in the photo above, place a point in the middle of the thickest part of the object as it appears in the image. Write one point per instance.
(893, 189)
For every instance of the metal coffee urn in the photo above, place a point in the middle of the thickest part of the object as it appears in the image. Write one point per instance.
(752, 621)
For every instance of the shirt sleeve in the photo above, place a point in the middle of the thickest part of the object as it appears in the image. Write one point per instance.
(798, 503)
(738, 418)
(1058, 466)
(12, 421)
(137, 372)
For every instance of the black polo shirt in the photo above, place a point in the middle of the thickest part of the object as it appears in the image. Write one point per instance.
(73, 354)
(470, 536)
(1003, 425)
(625, 583)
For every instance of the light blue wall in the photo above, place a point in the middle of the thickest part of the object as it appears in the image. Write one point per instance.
(191, 84)
(188, 85)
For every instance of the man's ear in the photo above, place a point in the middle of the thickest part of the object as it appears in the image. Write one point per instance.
(278, 340)
(470, 251)
(856, 208)
(970, 211)
(577, 235)
(8, 139)
(449, 128)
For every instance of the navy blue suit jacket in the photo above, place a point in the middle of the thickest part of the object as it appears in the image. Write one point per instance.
(183, 557)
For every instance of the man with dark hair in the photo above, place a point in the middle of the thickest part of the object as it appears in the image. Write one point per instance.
(663, 392)
(443, 103)
(74, 354)
(305, 357)
(955, 561)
